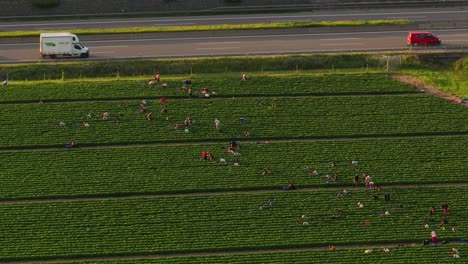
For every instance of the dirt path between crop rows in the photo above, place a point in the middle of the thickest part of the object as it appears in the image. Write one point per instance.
(376, 247)
(332, 188)
(427, 89)
(225, 141)
(137, 100)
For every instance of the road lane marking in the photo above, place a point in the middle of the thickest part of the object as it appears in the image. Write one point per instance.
(211, 43)
(455, 40)
(121, 46)
(102, 52)
(455, 35)
(218, 48)
(340, 39)
(340, 44)
(405, 17)
(55, 28)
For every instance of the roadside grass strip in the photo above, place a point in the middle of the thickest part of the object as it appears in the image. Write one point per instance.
(29, 126)
(278, 25)
(179, 169)
(292, 85)
(226, 223)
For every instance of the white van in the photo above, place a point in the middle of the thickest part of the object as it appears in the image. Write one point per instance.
(62, 45)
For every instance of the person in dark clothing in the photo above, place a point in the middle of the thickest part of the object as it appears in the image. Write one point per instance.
(356, 180)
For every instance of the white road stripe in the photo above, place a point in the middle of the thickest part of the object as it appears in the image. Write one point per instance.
(101, 52)
(211, 43)
(455, 35)
(122, 46)
(339, 39)
(55, 28)
(455, 40)
(340, 44)
(406, 17)
(218, 48)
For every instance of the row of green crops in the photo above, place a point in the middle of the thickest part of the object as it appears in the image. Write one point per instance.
(225, 87)
(180, 169)
(227, 222)
(25, 125)
(397, 255)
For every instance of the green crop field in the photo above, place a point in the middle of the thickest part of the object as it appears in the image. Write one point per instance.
(225, 87)
(138, 191)
(179, 169)
(225, 222)
(314, 117)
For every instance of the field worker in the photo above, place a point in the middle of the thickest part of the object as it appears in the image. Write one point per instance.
(304, 220)
(356, 180)
(190, 92)
(105, 116)
(150, 116)
(157, 77)
(244, 76)
(434, 236)
(217, 123)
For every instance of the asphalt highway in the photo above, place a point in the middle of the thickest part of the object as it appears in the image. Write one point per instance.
(194, 46)
(414, 14)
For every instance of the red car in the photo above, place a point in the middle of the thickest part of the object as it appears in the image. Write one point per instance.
(422, 38)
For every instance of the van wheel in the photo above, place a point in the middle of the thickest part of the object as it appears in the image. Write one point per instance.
(415, 44)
